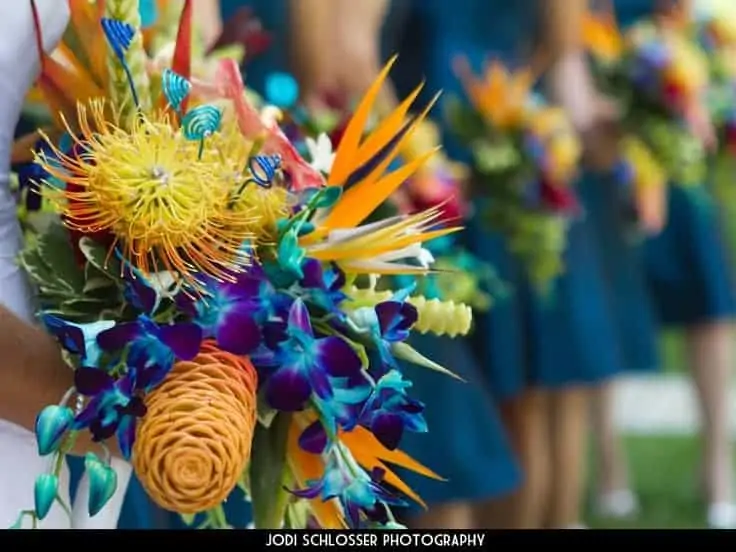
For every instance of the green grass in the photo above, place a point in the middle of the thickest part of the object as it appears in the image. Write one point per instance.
(664, 472)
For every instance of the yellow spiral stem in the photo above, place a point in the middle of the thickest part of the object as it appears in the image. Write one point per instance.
(434, 316)
(194, 442)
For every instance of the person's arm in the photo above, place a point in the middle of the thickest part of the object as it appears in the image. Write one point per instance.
(561, 50)
(313, 47)
(569, 82)
(32, 373)
(208, 21)
(358, 24)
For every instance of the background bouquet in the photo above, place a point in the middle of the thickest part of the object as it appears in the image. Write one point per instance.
(202, 277)
(525, 159)
(660, 78)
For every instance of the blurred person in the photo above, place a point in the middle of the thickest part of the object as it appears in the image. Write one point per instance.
(627, 299)
(474, 455)
(542, 359)
(691, 287)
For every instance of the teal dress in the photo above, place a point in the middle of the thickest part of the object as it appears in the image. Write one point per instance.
(525, 340)
(466, 443)
(687, 267)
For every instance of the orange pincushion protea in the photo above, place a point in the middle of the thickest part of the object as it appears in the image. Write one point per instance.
(195, 441)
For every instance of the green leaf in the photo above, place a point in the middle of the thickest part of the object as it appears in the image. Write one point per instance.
(56, 250)
(98, 256)
(97, 283)
(269, 473)
(404, 351)
(38, 270)
(297, 515)
(264, 412)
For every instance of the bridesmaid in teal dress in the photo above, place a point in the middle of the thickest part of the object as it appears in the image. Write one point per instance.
(474, 457)
(691, 283)
(535, 354)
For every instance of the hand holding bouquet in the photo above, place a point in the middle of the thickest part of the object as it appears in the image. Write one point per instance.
(201, 280)
(525, 160)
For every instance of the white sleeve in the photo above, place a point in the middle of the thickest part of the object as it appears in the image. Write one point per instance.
(19, 64)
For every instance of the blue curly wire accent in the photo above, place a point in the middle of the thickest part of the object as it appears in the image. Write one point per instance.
(175, 87)
(119, 35)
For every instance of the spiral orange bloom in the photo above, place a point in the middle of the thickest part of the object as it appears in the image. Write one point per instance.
(194, 443)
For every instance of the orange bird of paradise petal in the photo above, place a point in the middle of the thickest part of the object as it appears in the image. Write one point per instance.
(85, 21)
(360, 167)
(366, 450)
(360, 163)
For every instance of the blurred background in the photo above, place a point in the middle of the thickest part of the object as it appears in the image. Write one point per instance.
(658, 415)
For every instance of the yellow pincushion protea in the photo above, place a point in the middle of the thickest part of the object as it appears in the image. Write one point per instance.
(168, 207)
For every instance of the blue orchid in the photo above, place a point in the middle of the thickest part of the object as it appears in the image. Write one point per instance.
(304, 363)
(343, 410)
(386, 323)
(152, 348)
(357, 491)
(323, 286)
(113, 408)
(389, 411)
(240, 314)
(78, 339)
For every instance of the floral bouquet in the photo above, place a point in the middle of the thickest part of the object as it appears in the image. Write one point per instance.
(717, 34)
(202, 280)
(525, 159)
(659, 75)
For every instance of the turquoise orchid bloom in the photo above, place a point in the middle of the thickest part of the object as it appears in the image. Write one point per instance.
(290, 255)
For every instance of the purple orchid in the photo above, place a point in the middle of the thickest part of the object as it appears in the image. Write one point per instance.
(240, 314)
(113, 407)
(389, 411)
(323, 287)
(386, 323)
(152, 348)
(304, 363)
(357, 491)
(140, 295)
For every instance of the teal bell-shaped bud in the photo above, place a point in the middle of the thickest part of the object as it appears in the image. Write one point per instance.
(52, 423)
(103, 482)
(44, 493)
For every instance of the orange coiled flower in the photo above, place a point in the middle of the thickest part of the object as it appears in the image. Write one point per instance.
(195, 440)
